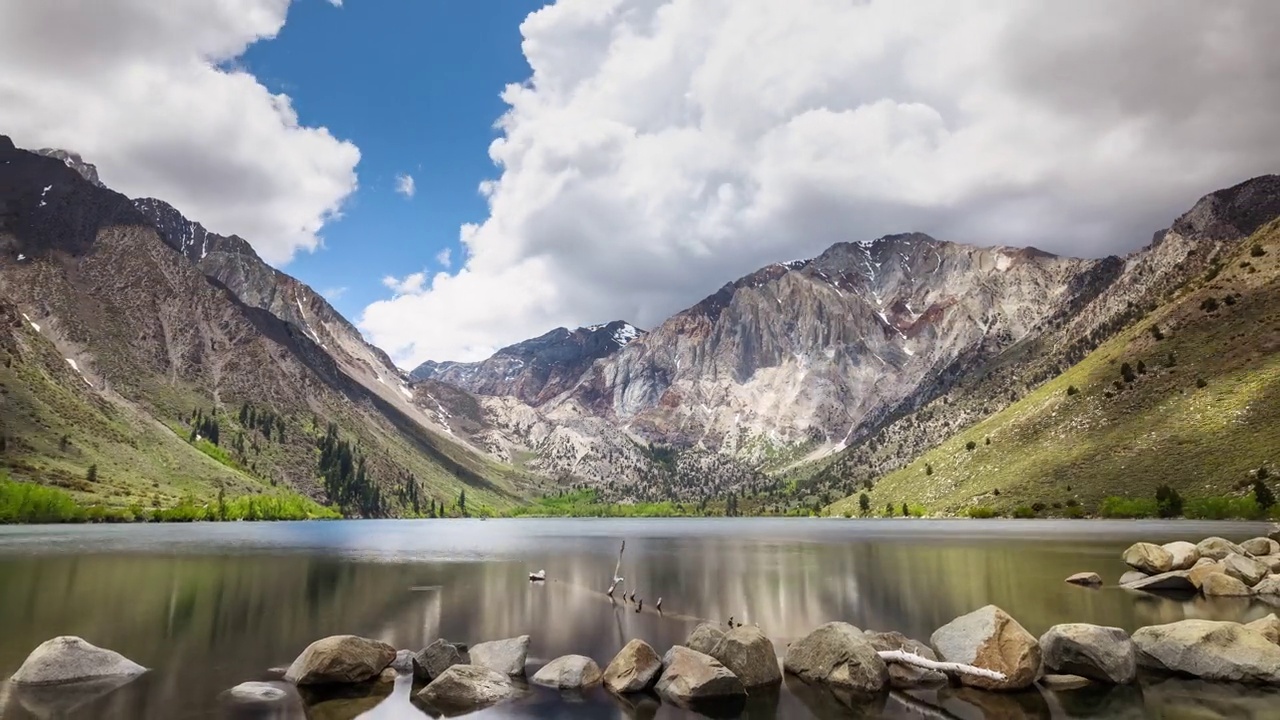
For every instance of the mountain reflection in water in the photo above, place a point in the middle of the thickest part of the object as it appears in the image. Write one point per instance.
(210, 606)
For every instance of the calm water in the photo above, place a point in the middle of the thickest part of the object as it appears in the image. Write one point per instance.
(208, 606)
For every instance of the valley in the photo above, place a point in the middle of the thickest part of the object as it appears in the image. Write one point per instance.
(151, 365)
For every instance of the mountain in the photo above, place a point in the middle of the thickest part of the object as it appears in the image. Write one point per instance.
(176, 377)
(1188, 395)
(536, 370)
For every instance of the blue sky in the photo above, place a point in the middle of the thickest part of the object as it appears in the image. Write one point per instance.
(414, 84)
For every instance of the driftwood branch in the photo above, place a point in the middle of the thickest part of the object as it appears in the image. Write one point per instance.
(906, 658)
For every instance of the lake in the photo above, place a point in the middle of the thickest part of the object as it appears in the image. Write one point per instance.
(208, 606)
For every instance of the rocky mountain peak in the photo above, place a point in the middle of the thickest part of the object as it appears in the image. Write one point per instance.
(1232, 213)
(188, 237)
(88, 171)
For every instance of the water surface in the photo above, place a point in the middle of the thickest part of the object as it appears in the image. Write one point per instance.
(208, 606)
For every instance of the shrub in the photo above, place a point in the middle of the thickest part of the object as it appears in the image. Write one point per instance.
(1262, 495)
(1209, 304)
(888, 510)
(1168, 502)
(996, 492)
(970, 445)
(928, 469)
(906, 511)
(1263, 473)
(987, 441)
(1072, 502)
(1223, 508)
(1130, 508)
(1142, 368)
(864, 503)
(1201, 382)
(1072, 390)
(1023, 512)
(1257, 251)
(1039, 507)
(91, 474)
(1156, 332)
(981, 512)
(1126, 372)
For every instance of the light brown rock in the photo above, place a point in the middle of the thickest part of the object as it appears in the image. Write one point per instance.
(1216, 548)
(1245, 569)
(1184, 554)
(704, 638)
(989, 638)
(1198, 573)
(568, 672)
(689, 676)
(464, 688)
(1269, 587)
(1149, 558)
(1087, 579)
(634, 669)
(1132, 576)
(1174, 580)
(340, 659)
(1210, 650)
(749, 655)
(1260, 546)
(1223, 585)
(1268, 626)
(839, 655)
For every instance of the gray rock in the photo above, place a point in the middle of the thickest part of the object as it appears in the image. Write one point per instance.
(257, 692)
(989, 638)
(1268, 626)
(689, 677)
(1099, 653)
(1174, 580)
(568, 672)
(340, 659)
(1148, 558)
(1131, 576)
(1088, 579)
(704, 638)
(1065, 682)
(406, 662)
(439, 656)
(1260, 546)
(1245, 569)
(68, 658)
(749, 655)
(1223, 585)
(1216, 548)
(464, 688)
(1269, 587)
(505, 656)
(905, 677)
(1210, 650)
(840, 655)
(634, 669)
(1204, 561)
(1184, 554)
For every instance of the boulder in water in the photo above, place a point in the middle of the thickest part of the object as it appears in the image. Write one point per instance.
(465, 688)
(704, 638)
(749, 655)
(1216, 548)
(1269, 587)
(1172, 581)
(1099, 653)
(690, 677)
(1223, 585)
(1203, 570)
(340, 659)
(1149, 558)
(1268, 626)
(1210, 650)
(902, 676)
(1245, 569)
(439, 656)
(634, 669)
(839, 655)
(67, 659)
(989, 638)
(568, 672)
(1184, 554)
(1260, 546)
(1132, 576)
(505, 656)
(1087, 579)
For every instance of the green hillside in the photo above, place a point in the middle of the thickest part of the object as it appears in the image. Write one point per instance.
(1187, 396)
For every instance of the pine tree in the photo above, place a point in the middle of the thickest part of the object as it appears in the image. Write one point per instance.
(864, 503)
(92, 474)
(462, 502)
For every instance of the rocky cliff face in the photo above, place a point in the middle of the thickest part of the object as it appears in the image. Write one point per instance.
(537, 370)
(123, 330)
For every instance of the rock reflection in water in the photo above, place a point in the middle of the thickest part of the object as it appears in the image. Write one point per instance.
(209, 607)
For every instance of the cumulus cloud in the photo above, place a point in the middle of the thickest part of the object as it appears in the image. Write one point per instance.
(445, 257)
(150, 93)
(404, 185)
(411, 284)
(664, 147)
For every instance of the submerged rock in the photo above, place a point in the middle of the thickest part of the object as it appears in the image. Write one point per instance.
(276, 700)
(340, 659)
(704, 638)
(690, 677)
(1148, 558)
(1209, 649)
(568, 672)
(1087, 579)
(68, 658)
(1184, 554)
(463, 688)
(505, 656)
(1132, 576)
(634, 669)
(1172, 581)
(905, 677)
(840, 655)
(749, 655)
(439, 656)
(1099, 653)
(989, 638)
(1065, 682)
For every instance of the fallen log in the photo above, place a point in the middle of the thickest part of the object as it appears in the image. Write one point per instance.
(906, 658)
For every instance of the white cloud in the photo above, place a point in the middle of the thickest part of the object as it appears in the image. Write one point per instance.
(411, 284)
(135, 87)
(333, 293)
(664, 147)
(445, 257)
(404, 185)
(335, 3)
